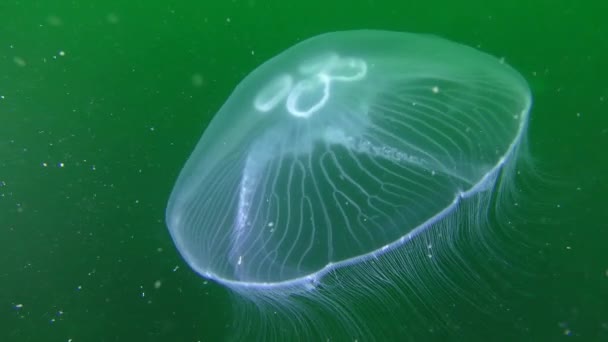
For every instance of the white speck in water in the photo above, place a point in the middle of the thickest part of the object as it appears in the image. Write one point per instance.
(198, 80)
(112, 18)
(19, 61)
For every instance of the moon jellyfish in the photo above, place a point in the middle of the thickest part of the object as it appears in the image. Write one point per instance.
(334, 168)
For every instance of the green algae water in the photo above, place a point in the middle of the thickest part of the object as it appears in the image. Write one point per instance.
(102, 103)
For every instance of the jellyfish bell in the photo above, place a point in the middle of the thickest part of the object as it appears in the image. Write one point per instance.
(334, 156)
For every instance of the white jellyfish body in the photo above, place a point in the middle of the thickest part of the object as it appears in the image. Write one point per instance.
(340, 150)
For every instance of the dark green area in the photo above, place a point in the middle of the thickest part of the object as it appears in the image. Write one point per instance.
(101, 103)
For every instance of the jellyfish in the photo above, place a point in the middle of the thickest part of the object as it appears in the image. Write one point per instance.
(333, 162)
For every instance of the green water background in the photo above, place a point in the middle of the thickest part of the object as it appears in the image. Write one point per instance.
(101, 103)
